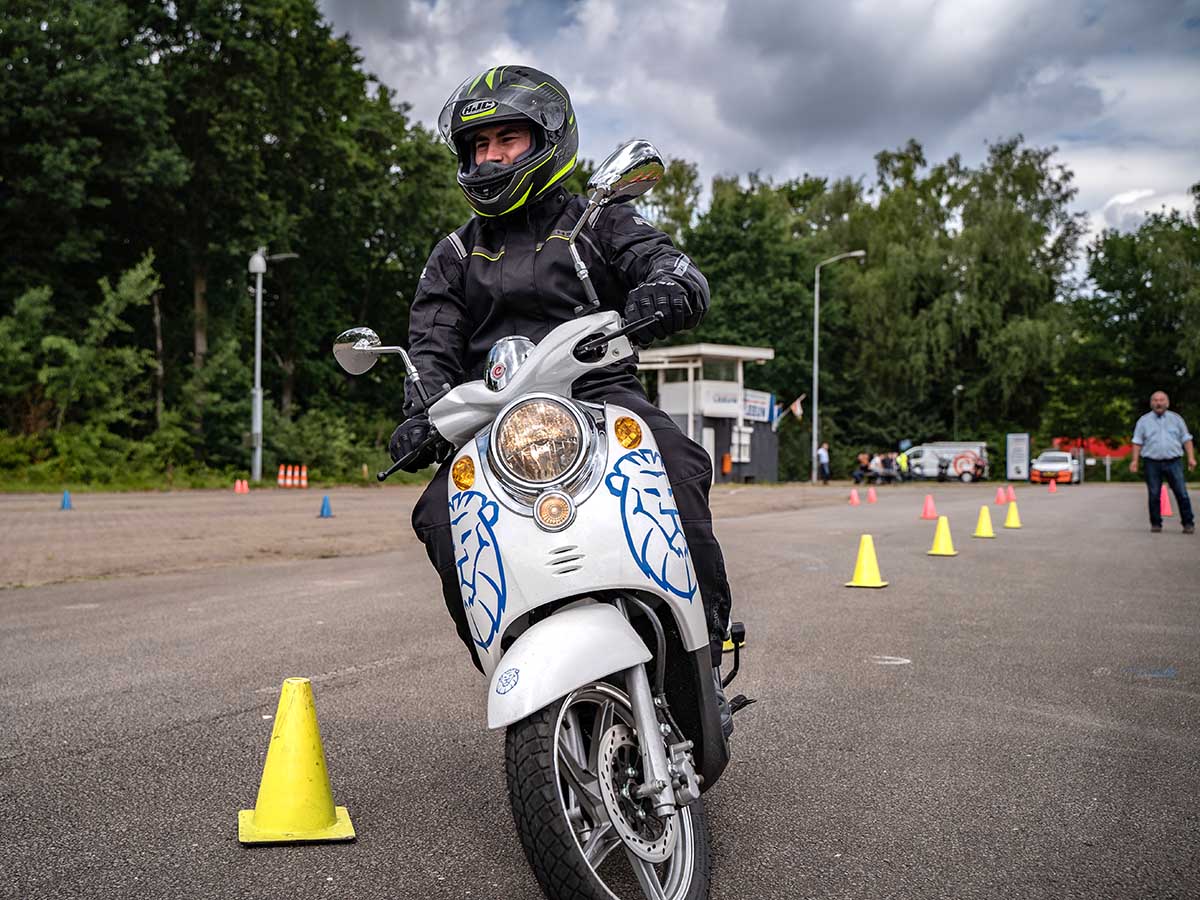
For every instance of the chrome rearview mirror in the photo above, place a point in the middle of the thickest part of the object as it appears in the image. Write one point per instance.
(629, 172)
(356, 350)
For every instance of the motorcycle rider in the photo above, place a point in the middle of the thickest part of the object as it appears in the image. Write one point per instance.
(508, 271)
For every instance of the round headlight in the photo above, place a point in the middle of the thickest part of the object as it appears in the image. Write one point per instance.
(538, 441)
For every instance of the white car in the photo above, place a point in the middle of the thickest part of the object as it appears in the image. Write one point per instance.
(1055, 465)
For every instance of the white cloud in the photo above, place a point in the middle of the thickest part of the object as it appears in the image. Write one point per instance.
(789, 87)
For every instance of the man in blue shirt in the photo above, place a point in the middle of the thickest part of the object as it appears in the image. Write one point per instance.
(1160, 438)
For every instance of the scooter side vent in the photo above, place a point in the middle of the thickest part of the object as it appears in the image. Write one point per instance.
(564, 560)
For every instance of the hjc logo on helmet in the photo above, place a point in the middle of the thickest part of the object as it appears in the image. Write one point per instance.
(476, 108)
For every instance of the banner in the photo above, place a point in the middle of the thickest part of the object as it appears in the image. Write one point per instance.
(797, 406)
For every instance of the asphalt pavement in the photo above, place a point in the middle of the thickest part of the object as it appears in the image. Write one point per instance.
(1021, 720)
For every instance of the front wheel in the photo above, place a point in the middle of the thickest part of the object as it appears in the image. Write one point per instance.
(569, 766)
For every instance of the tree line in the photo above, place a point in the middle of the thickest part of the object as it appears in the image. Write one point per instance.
(147, 149)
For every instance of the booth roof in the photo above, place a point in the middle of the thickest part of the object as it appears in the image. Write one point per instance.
(706, 351)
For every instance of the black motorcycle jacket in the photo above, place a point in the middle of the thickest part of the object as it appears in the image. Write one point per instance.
(513, 275)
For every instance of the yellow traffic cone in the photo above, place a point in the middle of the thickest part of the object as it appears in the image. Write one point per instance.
(983, 528)
(1013, 519)
(942, 545)
(866, 568)
(295, 802)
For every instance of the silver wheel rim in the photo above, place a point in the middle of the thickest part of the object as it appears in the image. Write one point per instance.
(584, 717)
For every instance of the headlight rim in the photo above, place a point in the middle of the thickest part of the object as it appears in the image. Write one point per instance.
(586, 440)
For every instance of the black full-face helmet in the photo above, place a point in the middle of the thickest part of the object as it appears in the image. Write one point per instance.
(511, 94)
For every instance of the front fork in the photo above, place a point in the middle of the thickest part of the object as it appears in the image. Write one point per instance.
(656, 768)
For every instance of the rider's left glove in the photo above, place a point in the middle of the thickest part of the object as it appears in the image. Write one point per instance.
(665, 296)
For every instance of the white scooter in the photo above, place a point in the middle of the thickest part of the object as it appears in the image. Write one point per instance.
(582, 599)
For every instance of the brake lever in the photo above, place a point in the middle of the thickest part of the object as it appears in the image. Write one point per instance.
(596, 343)
(433, 440)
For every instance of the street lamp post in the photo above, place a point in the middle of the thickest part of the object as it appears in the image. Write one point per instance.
(258, 268)
(859, 254)
(958, 389)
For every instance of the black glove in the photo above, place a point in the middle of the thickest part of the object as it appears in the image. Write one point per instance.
(409, 435)
(661, 295)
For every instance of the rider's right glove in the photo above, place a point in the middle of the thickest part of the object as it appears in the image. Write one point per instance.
(409, 435)
(661, 295)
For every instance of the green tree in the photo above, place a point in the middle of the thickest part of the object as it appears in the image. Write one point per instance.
(85, 148)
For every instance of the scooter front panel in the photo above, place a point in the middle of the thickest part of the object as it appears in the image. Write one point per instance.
(625, 535)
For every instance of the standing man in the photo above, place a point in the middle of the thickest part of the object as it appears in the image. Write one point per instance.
(823, 462)
(1161, 437)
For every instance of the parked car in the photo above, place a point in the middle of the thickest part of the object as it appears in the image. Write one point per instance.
(1054, 465)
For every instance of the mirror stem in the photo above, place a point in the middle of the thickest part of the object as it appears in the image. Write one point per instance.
(581, 271)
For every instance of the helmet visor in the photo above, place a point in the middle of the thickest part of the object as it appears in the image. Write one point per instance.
(487, 97)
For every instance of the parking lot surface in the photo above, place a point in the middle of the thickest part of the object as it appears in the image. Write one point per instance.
(1021, 720)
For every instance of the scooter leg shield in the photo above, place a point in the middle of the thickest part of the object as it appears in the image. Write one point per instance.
(571, 648)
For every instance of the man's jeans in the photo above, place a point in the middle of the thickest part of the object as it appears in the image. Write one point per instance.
(1170, 471)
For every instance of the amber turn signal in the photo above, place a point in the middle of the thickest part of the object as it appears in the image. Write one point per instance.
(463, 473)
(628, 432)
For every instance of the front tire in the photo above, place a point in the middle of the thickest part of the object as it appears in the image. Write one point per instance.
(554, 767)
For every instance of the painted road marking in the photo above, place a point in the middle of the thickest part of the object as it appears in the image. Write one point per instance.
(891, 661)
(83, 606)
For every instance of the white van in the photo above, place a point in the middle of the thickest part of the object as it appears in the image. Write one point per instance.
(960, 460)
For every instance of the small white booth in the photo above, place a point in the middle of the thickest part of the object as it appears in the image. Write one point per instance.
(702, 387)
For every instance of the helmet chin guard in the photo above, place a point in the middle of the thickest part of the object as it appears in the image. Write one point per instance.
(518, 95)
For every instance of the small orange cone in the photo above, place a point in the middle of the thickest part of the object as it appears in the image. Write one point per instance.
(1000, 498)
(942, 545)
(237, 485)
(854, 501)
(930, 511)
(1053, 489)
(304, 476)
(1164, 502)
(279, 480)
(1011, 496)
(866, 567)
(871, 498)
(289, 477)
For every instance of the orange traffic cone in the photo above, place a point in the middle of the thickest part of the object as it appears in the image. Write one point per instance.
(1011, 496)
(1164, 502)
(1053, 489)
(304, 476)
(930, 511)
(854, 501)
(1000, 498)
(871, 498)
(289, 477)
(279, 480)
(237, 485)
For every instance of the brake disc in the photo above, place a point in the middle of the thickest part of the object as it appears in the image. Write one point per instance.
(647, 835)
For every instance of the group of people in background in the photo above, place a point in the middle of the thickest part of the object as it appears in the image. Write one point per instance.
(884, 467)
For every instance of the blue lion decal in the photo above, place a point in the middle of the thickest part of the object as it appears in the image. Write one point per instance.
(651, 521)
(480, 571)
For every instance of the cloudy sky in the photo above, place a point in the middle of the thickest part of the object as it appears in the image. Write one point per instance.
(788, 87)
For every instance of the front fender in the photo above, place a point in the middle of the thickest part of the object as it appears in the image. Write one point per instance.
(559, 654)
